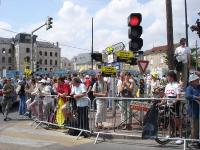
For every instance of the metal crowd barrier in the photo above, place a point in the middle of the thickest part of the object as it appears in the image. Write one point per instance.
(129, 117)
(47, 110)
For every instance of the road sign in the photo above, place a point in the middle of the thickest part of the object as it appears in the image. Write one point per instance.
(143, 64)
(108, 71)
(110, 58)
(114, 48)
(125, 54)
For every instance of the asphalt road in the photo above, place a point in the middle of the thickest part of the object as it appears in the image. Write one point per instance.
(20, 135)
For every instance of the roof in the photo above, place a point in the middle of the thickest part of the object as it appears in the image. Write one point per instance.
(5, 40)
(159, 49)
(45, 44)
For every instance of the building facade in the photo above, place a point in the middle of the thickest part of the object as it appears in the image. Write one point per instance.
(16, 54)
(157, 59)
(7, 53)
(65, 64)
(82, 62)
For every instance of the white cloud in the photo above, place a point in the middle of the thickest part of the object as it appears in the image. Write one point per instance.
(6, 29)
(72, 25)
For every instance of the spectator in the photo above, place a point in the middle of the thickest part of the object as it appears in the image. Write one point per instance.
(63, 90)
(79, 93)
(6, 104)
(87, 81)
(126, 90)
(155, 84)
(193, 95)
(22, 95)
(182, 54)
(100, 89)
(172, 90)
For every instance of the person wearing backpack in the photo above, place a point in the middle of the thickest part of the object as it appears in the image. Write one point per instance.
(100, 89)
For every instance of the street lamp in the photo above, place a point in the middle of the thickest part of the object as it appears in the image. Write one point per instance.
(48, 23)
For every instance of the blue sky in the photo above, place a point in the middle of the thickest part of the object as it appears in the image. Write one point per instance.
(72, 21)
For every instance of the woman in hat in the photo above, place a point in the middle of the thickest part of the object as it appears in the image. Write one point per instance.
(155, 84)
(193, 95)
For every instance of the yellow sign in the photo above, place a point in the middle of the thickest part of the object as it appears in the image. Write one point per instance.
(109, 49)
(125, 54)
(27, 72)
(108, 71)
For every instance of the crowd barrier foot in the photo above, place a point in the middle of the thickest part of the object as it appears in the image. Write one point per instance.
(97, 137)
(79, 135)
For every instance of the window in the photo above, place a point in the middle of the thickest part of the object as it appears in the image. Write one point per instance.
(45, 62)
(151, 61)
(3, 59)
(9, 51)
(161, 60)
(27, 59)
(10, 68)
(56, 54)
(40, 61)
(45, 69)
(50, 53)
(45, 53)
(56, 62)
(3, 50)
(9, 60)
(50, 62)
(27, 50)
(40, 53)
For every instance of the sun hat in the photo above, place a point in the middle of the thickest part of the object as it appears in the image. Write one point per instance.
(154, 74)
(193, 77)
(43, 81)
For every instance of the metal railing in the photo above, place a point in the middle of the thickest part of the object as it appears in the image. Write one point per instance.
(130, 117)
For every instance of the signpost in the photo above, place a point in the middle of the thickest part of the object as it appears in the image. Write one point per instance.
(124, 56)
(114, 48)
(108, 71)
(143, 64)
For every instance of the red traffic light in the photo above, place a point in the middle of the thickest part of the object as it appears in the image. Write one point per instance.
(134, 19)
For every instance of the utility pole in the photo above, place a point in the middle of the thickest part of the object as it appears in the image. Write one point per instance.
(170, 44)
(196, 56)
(186, 24)
(92, 43)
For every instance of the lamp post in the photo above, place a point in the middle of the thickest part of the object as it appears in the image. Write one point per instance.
(48, 25)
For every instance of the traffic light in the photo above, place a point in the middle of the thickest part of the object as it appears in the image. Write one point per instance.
(97, 56)
(196, 27)
(49, 23)
(135, 31)
(133, 61)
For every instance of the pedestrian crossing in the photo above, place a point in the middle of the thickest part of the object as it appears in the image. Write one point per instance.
(23, 134)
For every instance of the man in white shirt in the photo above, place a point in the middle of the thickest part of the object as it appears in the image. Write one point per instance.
(182, 54)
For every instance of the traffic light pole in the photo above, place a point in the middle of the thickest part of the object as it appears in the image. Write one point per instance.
(186, 24)
(33, 57)
(92, 44)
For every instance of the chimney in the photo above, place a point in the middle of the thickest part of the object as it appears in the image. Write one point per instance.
(57, 44)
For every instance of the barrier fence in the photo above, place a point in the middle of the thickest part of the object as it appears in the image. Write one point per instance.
(161, 119)
(54, 111)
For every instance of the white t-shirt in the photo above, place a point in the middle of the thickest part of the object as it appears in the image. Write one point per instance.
(83, 101)
(172, 90)
(182, 53)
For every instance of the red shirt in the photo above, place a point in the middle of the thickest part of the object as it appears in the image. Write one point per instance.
(64, 88)
(87, 83)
